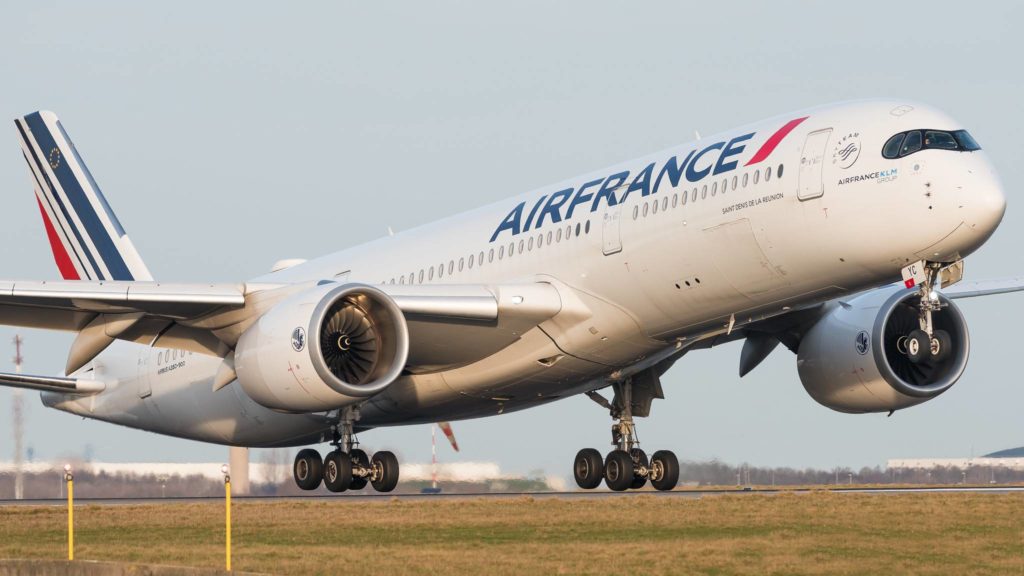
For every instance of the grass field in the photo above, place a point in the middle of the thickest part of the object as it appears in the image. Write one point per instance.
(816, 533)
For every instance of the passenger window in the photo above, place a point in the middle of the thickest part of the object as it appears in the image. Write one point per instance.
(578, 224)
(522, 244)
(767, 174)
(160, 359)
(568, 231)
(704, 192)
(540, 240)
(550, 234)
(462, 264)
(501, 252)
(647, 207)
(714, 188)
(654, 207)
(694, 195)
(911, 144)
(664, 203)
(530, 246)
(745, 177)
(675, 200)
(686, 196)
(636, 212)
(440, 270)
(430, 273)
(558, 237)
(941, 140)
(490, 256)
(480, 257)
(586, 228)
(735, 181)
(892, 146)
(421, 275)
(401, 279)
(451, 267)
(471, 259)
(778, 174)
(757, 176)
(725, 185)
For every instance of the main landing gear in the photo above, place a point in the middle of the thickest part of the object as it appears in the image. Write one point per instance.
(627, 466)
(925, 343)
(346, 467)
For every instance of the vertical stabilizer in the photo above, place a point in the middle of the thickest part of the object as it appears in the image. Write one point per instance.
(87, 240)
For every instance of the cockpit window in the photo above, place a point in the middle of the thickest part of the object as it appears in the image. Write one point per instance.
(892, 147)
(906, 143)
(941, 140)
(966, 141)
(912, 143)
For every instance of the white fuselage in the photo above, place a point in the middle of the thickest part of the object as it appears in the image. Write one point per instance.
(678, 254)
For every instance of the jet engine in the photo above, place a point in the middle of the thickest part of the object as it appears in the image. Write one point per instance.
(323, 348)
(856, 358)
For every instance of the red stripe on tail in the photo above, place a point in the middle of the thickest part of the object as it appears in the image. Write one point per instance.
(769, 145)
(60, 254)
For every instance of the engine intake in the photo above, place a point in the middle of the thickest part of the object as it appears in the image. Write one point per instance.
(854, 358)
(358, 345)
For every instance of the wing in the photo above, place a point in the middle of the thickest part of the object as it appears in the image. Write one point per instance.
(985, 287)
(448, 324)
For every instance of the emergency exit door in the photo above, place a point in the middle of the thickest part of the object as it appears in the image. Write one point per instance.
(812, 160)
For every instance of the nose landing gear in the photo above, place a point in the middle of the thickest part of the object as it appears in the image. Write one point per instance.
(926, 343)
(346, 467)
(627, 466)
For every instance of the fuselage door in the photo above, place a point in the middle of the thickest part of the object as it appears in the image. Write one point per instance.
(812, 160)
(612, 238)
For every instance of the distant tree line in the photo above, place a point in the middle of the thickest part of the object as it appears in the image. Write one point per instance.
(90, 484)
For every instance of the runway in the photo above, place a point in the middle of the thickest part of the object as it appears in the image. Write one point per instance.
(578, 495)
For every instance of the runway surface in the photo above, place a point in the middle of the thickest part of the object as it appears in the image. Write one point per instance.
(370, 497)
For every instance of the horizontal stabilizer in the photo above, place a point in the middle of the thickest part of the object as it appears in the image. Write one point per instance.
(52, 384)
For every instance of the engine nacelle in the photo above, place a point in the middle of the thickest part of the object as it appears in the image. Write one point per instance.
(323, 348)
(851, 360)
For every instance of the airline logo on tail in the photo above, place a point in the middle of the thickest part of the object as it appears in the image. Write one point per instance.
(87, 240)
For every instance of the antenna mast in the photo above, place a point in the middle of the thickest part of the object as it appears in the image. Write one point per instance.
(17, 418)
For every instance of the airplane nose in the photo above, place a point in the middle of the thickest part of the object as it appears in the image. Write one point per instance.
(988, 204)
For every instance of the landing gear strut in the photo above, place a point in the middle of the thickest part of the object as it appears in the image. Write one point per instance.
(346, 467)
(627, 466)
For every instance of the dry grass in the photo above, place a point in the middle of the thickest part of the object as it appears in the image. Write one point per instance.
(816, 533)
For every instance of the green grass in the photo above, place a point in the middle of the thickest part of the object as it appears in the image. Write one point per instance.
(815, 533)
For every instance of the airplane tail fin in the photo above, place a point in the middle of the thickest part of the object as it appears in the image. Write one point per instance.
(87, 240)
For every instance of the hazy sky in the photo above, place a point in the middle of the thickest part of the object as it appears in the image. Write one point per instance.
(230, 135)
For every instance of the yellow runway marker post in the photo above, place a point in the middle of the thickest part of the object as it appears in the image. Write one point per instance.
(71, 510)
(227, 517)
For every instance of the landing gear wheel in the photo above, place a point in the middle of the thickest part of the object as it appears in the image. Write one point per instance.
(359, 458)
(639, 461)
(918, 346)
(307, 469)
(618, 470)
(941, 345)
(337, 471)
(385, 471)
(588, 468)
(664, 470)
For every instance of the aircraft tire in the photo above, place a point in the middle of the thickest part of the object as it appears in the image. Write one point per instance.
(668, 464)
(308, 469)
(359, 458)
(639, 459)
(918, 346)
(337, 471)
(387, 463)
(618, 470)
(941, 345)
(588, 469)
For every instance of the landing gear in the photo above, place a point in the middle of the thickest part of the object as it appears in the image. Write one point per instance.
(346, 467)
(627, 466)
(926, 343)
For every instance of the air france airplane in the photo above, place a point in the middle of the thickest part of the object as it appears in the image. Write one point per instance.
(837, 231)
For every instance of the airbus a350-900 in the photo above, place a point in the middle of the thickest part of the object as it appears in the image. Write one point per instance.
(838, 231)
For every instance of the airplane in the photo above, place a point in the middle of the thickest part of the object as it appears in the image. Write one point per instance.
(838, 231)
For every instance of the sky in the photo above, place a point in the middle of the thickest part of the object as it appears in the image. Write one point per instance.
(230, 135)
